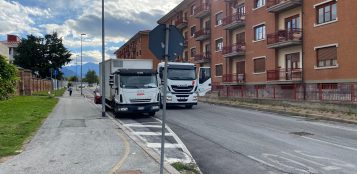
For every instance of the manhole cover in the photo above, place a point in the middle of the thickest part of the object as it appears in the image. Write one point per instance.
(130, 172)
(73, 123)
(301, 133)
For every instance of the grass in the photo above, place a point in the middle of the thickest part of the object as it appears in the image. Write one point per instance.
(185, 168)
(57, 93)
(20, 117)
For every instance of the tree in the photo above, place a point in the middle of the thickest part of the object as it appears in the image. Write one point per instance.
(8, 78)
(73, 79)
(91, 77)
(42, 55)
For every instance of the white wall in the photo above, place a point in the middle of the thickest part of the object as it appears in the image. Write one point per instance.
(4, 50)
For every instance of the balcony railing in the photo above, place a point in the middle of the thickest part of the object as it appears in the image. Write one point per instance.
(202, 10)
(203, 58)
(233, 78)
(284, 38)
(181, 23)
(234, 21)
(236, 49)
(281, 5)
(202, 34)
(294, 74)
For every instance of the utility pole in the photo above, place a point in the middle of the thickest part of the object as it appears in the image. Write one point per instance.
(103, 65)
(83, 34)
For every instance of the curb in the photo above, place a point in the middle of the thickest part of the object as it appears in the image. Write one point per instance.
(286, 113)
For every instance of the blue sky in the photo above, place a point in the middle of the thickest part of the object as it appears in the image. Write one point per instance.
(70, 18)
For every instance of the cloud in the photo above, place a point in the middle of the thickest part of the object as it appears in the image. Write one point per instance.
(16, 18)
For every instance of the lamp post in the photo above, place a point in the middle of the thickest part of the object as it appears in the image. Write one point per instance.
(83, 34)
(103, 59)
(76, 73)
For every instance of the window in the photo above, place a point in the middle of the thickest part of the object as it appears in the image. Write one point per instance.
(193, 30)
(326, 12)
(292, 23)
(327, 56)
(241, 9)
(219, 44)
(193, 7)
(259, 65)
(219, 70)
(193, 52)
(219, 17)
(9, 51)
(186, 56)
(140, 52)
(259, 32)
(259, 3)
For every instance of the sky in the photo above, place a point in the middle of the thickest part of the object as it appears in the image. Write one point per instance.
(70, 18)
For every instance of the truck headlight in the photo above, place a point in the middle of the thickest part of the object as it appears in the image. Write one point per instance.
(169, 98)
(155, 107)
(195, 98)
(123, 109)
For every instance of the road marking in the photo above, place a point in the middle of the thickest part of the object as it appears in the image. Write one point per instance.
(142, 125)
(310, 161)
(334, 126)
(167, 145)
(152, 133)
(334, 144)
(300, 166)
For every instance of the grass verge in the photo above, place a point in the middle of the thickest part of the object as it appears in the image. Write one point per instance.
(185, 168)
(20, 117)
(56, 93)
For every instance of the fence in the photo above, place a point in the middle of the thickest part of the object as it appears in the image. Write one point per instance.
(27, 83)
(332, 92)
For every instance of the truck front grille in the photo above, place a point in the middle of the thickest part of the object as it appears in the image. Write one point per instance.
(139, 100)
(177, 88)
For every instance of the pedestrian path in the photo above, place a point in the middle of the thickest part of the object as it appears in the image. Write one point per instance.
(76, 139)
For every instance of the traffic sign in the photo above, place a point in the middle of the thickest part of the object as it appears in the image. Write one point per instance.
(157, 42)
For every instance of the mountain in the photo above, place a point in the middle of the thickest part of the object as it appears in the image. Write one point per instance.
(71, 70)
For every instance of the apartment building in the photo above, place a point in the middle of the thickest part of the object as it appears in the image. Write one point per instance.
(11, 43)
(137, 47)
(262, 42)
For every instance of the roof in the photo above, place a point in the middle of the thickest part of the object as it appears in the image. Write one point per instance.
(143, 32)
(183, 5)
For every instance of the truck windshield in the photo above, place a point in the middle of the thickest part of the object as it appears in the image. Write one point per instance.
(181, 74)
(135, 81)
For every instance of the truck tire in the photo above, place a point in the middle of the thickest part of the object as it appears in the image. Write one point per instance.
(188, 106)
(151, 114)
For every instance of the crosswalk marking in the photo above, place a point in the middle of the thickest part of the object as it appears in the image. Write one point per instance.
(152, 133)
(167, 145)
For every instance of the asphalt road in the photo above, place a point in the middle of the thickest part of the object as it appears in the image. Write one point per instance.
(229, 140)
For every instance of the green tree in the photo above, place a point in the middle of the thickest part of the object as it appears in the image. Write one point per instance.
(42, 54)
(73, 79)
(8, 77)
(91, 77)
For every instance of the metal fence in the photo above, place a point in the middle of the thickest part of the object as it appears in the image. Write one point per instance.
(332, 92)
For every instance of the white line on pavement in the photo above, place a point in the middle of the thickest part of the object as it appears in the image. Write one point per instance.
(141, 125)
(167, 145)
(151, 133)
(334, 144)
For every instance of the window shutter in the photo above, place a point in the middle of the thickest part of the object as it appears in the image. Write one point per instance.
(259, 65)
(327, 53)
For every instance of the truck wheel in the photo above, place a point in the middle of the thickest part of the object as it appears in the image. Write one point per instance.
(188, 106)
(152, 114)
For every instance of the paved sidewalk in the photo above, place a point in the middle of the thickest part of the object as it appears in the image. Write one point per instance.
(75, 139)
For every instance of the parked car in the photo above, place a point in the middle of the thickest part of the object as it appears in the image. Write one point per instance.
(97, 96)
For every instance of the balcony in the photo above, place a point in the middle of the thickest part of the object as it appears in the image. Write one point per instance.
(233, 78)
(202, 58)
(276, 6)
(203, 34)
(284, 75)
(237, 49)
(181, 23)
(284, 38)
(202, 11)
(234, 21)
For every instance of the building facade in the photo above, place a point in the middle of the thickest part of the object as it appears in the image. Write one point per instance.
(11, 44)
(262, 42)
(137, 47)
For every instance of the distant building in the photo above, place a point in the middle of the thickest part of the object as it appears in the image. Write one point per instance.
(11, 43)
(137, 47)
(4, 50)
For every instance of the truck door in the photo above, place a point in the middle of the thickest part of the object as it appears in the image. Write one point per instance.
(204, 81)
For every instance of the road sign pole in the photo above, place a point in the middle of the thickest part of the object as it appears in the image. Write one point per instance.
(103, 64)
(167, 30)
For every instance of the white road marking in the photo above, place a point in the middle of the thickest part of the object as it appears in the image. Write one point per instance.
(265, 163)
(310, 161)
(151, 133)
(142, 125)
(334, 144)
(334, 126)
(335, 162)
(167, 145)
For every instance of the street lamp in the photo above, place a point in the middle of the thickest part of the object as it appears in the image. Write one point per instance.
(76, 73)
(83, 34)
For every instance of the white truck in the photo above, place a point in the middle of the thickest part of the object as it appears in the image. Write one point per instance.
(183, 86)
(131, 86)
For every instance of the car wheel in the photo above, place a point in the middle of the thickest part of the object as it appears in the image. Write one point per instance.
(152, 114)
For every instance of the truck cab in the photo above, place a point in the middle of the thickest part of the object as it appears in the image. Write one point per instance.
(182, 84)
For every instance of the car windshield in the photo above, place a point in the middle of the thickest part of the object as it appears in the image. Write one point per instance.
(135, 81)
(181, 74)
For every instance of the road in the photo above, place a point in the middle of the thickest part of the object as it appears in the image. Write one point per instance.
(229, 140)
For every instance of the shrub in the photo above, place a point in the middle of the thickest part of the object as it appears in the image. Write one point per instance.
(8, 77)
